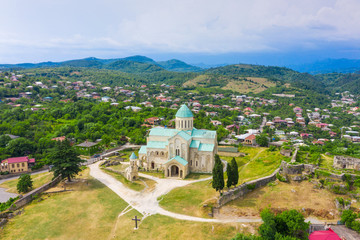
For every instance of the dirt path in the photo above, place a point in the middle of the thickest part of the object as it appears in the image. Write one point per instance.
(255, 157)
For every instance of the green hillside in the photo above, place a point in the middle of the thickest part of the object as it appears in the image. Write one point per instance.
(178, 66)
(133, 67)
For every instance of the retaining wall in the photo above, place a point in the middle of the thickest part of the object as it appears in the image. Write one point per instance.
(28, 197)
(245, 188)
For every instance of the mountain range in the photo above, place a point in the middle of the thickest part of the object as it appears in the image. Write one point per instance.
(133, 64)
(241, 78)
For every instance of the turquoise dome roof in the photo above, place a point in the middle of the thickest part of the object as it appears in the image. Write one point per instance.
(133, 156)
(184, 112)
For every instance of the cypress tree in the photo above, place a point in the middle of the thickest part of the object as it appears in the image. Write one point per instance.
(218, 175)
(230, 174)
(235, 174)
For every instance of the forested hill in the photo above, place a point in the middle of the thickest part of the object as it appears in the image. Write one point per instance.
(242, 78)
(286, 75)
(133, 64)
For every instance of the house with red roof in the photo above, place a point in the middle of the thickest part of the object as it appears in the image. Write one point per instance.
(17, 164)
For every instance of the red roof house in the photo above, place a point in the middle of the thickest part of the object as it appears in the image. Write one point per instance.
(324, 235)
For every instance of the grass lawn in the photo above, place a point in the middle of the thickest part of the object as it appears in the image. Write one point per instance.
(258, 163)
(158, 227)
(189, 200)
(120, 167)
(154, 174)
(261, 165)
(327, 161)
(38, 180)
(196, 176)
(88, 212)
(137, 185)
(283, 196)
(92, 211)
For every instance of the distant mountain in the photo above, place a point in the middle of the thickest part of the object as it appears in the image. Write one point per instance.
(329, 66)
(178, 66)
(133, 67)
(87, 62)
(132, 64)
(139, 58)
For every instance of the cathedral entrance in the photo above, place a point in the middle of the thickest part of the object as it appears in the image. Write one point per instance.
(174, 171)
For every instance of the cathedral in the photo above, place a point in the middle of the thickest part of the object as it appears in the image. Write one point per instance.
(179, 151)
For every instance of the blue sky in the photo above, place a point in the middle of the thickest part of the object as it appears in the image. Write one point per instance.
(209, 31)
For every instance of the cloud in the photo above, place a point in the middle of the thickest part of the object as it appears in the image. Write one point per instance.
(208, 26)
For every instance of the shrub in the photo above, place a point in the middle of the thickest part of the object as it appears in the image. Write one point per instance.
(24, 184)
(281, 178)
(251, 186)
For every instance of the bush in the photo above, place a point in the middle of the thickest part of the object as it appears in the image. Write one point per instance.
(251, 186)
(24, 184)
(281, 178)
(7, 204)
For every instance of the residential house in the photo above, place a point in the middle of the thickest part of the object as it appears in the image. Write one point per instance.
(17, 164)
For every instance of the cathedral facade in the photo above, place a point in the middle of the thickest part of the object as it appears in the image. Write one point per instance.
(179, 151)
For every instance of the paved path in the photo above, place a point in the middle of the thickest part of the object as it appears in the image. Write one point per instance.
(4, 196)
(147, 202)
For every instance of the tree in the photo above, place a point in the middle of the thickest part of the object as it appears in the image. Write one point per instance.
(65, 160)
(267, 230)
(230, 175)
(24, 184)
(288, 225)
(235, 174)
(20, 147)
(262, 140)
(218, 175)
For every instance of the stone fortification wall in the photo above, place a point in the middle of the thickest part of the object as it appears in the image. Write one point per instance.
(346, 162)
(297, 169)
(245, 188)
(28, 197)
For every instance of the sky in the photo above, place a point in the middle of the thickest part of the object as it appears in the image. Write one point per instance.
(197, 31)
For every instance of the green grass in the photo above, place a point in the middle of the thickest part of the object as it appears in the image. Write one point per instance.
(154, 174)
(263, 165)
(196, 176)
(190, 199)
(135, 185)
(158, 227)
(120, 167)
(88, 212)
(91, 211)
(38, 180)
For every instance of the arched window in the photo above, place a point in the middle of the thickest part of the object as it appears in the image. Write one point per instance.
(190, 162)
(196, 163)
(157, 153)
(177, 152)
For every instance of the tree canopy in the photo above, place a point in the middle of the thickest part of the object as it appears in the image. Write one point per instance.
(65, 160)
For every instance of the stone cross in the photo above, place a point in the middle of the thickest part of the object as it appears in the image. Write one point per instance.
(136, 221)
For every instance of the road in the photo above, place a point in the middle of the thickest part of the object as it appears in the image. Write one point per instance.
(4, 196)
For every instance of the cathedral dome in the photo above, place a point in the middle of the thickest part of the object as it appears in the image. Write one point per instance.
(184, 112)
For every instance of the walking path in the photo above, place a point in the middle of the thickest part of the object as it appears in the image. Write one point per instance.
(147, 202)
